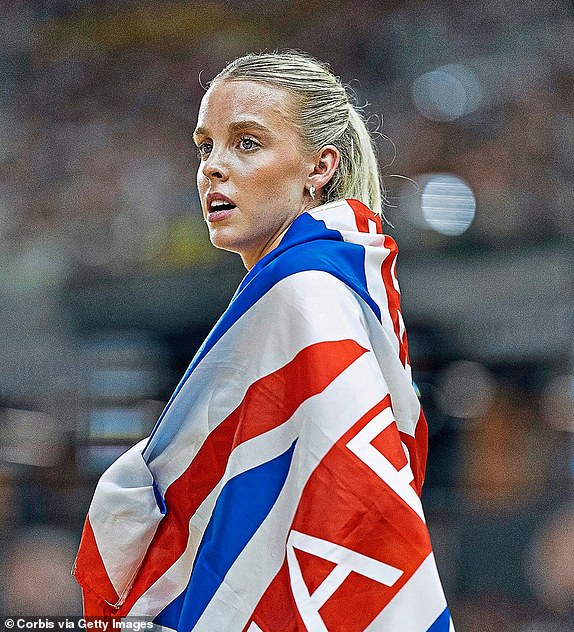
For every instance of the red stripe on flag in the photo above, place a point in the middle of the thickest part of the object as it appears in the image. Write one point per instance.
(393, 298)
(346, 503)
(90, 571)
(277, 609)
(268, 403)
(418, 448)
(362, 216)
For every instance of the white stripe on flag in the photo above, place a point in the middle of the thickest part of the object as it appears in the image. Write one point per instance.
(417, 605)
(127, 486)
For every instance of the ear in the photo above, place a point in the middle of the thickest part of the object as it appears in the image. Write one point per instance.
(326, 163)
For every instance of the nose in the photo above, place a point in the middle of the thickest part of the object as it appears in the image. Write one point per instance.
(215, 166)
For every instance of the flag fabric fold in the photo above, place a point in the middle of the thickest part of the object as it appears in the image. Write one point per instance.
(280, 488)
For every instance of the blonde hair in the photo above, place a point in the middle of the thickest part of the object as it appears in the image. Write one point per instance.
(325, 116)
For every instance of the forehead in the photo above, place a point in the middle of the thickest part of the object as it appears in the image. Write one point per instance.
(232, 101)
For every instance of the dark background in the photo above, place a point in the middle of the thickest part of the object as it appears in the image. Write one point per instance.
(108, 282)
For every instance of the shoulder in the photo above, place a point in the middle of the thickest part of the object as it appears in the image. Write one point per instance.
(322, 269)
(316, 273)
(335, 258)
(290, 294)
(314, 289)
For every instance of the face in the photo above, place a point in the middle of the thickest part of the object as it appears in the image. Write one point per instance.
(253, 169)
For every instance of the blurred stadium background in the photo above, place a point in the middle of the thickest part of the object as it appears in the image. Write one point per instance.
(108, 283)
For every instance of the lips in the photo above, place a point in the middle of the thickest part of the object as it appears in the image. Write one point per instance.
(219, 207)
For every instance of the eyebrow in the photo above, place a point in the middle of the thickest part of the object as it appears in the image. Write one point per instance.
(236, 126)
(241, 125)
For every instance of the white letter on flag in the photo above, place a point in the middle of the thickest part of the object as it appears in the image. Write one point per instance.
(346, 561)
(398, 480)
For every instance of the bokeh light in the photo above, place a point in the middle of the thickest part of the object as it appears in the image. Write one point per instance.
(448, 204)
(465, 390)
(447, 93)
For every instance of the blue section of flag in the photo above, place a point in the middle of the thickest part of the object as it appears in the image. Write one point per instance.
(241, 507)
(159, 499)
(442, 624)
(311, 246)
(169, 616)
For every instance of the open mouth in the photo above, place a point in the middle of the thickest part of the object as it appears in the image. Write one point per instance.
(220, 205)
(219, 208)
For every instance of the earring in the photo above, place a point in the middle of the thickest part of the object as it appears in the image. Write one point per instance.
(312, 192)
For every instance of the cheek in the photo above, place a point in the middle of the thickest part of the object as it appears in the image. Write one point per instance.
(278, 176)
(202, 186)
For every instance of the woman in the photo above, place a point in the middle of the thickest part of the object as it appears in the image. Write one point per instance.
(280, 487)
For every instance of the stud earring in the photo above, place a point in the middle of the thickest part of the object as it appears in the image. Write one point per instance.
(312, 192)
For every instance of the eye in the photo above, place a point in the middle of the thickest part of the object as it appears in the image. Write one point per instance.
(247, 143)
(204, 148)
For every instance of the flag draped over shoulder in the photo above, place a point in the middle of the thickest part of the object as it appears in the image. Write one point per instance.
(280, 488)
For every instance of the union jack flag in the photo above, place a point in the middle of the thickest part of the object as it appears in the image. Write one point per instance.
(280, 488)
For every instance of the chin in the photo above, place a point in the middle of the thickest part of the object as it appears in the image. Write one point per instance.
(222, 241)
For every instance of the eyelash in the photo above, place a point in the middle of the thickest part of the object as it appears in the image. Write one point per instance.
(252, 140)
(202, 152)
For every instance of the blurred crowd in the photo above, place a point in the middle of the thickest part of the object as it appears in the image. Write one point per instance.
(108, 282)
